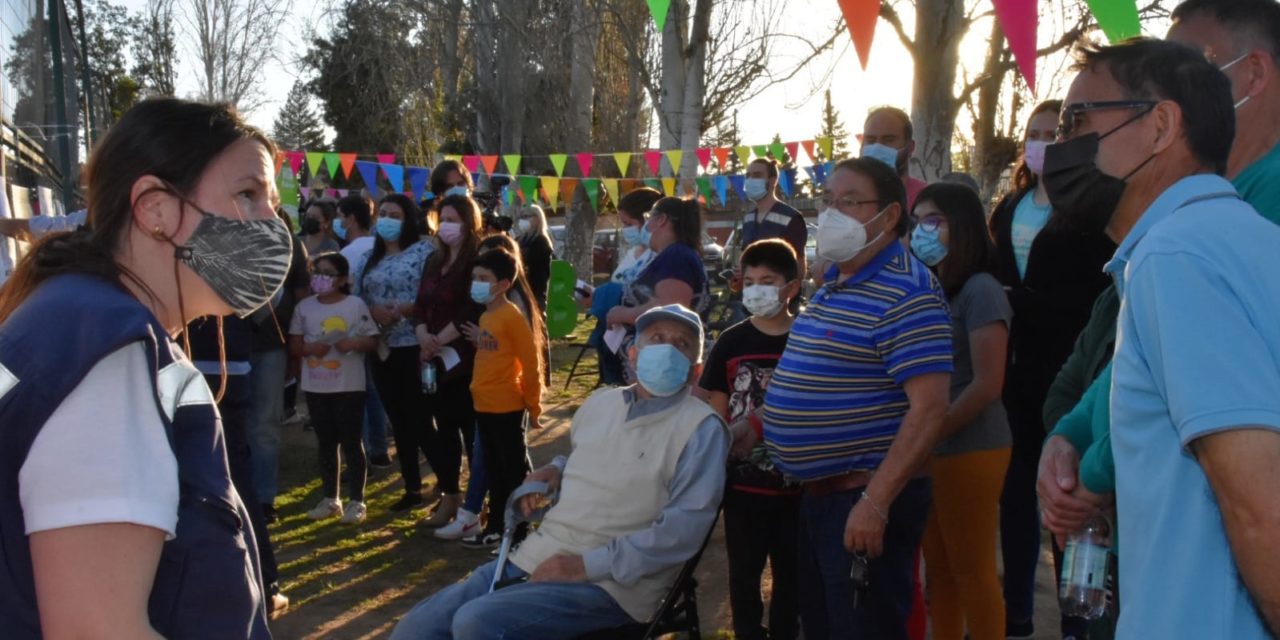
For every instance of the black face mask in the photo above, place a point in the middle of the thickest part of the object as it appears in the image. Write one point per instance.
(1077, 188)
(310, 226)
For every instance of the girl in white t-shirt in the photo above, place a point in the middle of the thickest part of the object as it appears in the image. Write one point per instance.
(331, 331)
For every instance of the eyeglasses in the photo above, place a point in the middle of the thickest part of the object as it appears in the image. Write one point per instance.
(929, 223)
(1071, 113)
(843, 204)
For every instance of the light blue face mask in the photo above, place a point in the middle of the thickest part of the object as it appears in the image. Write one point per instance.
(662, 369)
(339, 229)
(755, 188)
(883, 153)
(927, 245)
(388, 229)
(457, 191)
(632, 236)
(645, 235)
(481, 292)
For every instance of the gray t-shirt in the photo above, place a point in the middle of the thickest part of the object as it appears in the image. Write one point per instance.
(981, 302)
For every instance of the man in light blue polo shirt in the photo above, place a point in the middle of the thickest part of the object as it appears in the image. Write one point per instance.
(1196, 392)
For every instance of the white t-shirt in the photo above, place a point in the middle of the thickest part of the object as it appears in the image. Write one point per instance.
(103, 456)
(355, 251)
(316, 321)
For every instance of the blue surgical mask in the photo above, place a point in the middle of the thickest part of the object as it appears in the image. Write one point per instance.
(457, 191)
(662, 369)
(631, 236)
(481, 292)
(927, 245)
(388, 229)
(645, 235)
(339, 229)
(883, 153)
(755, 188)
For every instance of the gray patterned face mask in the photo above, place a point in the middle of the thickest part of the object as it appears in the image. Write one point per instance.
(244, 261)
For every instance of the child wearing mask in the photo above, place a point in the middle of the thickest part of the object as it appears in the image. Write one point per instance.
(506, 381)
(331, 331)
(761, 509)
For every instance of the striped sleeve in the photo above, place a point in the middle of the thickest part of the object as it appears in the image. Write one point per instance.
(913, 337)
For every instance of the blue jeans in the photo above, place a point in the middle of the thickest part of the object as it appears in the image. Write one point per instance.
(375, 416)
(468, 611)
(478, 485)
(826, 594)
(266, 380)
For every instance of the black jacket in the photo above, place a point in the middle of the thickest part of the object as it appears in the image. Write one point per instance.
(536, 253)
(1051, 305)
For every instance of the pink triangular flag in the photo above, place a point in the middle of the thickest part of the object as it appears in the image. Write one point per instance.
(295, 161)
(793, 149)
(1019, 20)
(654, 160)
(584, 163)
(472, 163)
(343, 192)
(306, 192)
(704, 156)
(386, 158)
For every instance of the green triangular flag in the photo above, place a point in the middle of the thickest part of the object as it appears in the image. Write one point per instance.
(653, 183)
(513, 163)
(761, 150)
(779, 151)
(704, 186)
(1118, 18)
(592, 186)
(528, 187)
(557, 161)
(333, 162)
(659, 9)
(314, 160)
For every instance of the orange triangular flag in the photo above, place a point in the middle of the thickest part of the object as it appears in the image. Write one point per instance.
(861, 16)
(722, 157)
(490, 164)
(348, 162)
(567, 188)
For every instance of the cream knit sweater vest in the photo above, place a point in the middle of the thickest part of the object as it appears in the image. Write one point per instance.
(615, 483)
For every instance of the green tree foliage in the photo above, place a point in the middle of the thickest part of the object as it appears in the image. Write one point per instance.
(832, 127)
(298, 126)
(109, 29)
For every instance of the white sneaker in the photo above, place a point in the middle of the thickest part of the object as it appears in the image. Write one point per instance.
(354, 512)
(326, 508)
(464, 524)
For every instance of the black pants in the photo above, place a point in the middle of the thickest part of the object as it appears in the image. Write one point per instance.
(759, 527)
(506, 459)
(234, 409)
(338, 420)
(454, 415)
(399, 384)
(1020, 513)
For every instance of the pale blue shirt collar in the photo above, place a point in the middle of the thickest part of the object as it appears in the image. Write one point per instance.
(1189, 190)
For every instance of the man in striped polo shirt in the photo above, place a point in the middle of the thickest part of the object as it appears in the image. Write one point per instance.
(854, 408)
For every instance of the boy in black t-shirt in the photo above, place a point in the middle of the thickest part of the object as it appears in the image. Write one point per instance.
(761, 508)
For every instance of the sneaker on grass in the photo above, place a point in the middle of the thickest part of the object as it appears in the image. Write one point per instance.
(482, 541)
(354, 512)
(464, 525)
(326, 508)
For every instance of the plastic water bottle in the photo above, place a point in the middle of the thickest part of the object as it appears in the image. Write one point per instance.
(429, 378)
(1082, 591)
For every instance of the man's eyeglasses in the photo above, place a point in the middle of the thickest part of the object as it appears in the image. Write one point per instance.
(1071, 113)
(843, 204)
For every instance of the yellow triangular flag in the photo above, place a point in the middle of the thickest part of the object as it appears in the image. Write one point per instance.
(611, 186)
(551, 189)
(624, 161)
(669, 186)
(825, 144)
(744, 154)
(674, 156)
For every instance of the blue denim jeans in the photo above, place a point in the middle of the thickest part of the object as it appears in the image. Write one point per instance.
(826, 594)
(375, 416)
(478, 485)
(266, 380)
(468, 611)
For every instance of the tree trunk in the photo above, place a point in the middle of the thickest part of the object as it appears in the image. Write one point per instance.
(939, 27)
(487, 137)
(580, 220)
(673, 76)
(513, 48)
(986, 165)
(695, 87)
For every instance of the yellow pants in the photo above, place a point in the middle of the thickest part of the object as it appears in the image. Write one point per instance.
(960, 546)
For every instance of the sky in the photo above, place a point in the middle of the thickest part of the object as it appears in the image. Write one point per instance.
(886, 80)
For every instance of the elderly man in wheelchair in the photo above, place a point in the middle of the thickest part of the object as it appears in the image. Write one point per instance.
(638, 494)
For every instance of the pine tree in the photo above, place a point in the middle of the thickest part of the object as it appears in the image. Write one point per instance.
(298, 127)
(833, 127)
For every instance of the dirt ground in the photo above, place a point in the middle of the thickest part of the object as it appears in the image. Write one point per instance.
(354, 582)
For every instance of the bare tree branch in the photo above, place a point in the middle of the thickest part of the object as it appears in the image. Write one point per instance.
(890, 15)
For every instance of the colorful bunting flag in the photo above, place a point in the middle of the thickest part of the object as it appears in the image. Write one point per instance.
(761, 150)
(369, 173)
(722, 189)
(295, 161)
(314, 161)
(557, 161)
(453, 158)
(744, 155)
(287, 183)
(333, 164)
(342, 193)
(348, 163)
(395, 175)
(1117, 18)
(808, 150)
(1019, 20)
(722, 157)
(653, 183)
(669, 186)
(654, 160)
(793, 150)
(825, 144)
(513, 163)
(528, 187)
(472, 163)
(279, 162)
(739, 183)
(704, 187)
(861, 16)
(623, 159)
(490, 164)
(704, 156)
(584, 163)
(418, 181)
(386, 158)
(592, 187)
(551, 190)
(659, 9)
(611, 185)
(568, 188)
(332, 193)
(787, 180)
(674, 157)
(306, 192)
(777, 150)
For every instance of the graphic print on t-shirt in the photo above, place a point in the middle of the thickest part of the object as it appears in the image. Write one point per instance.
(335, 328)
(749, 377)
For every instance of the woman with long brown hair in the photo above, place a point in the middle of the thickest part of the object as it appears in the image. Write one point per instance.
(117, 513)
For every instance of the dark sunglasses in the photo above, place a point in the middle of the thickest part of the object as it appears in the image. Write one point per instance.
(1070, 118)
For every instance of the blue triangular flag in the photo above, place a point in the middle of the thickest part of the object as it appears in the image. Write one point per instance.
(786, 178)
(395, 174)
(418, 181)
(739, 185)
(369, 173)
(813, 175)
(722, 188)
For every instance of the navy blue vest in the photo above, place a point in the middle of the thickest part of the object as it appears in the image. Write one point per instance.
(207, 583)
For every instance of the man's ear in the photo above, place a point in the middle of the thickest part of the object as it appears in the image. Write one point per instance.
(1168, 120)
